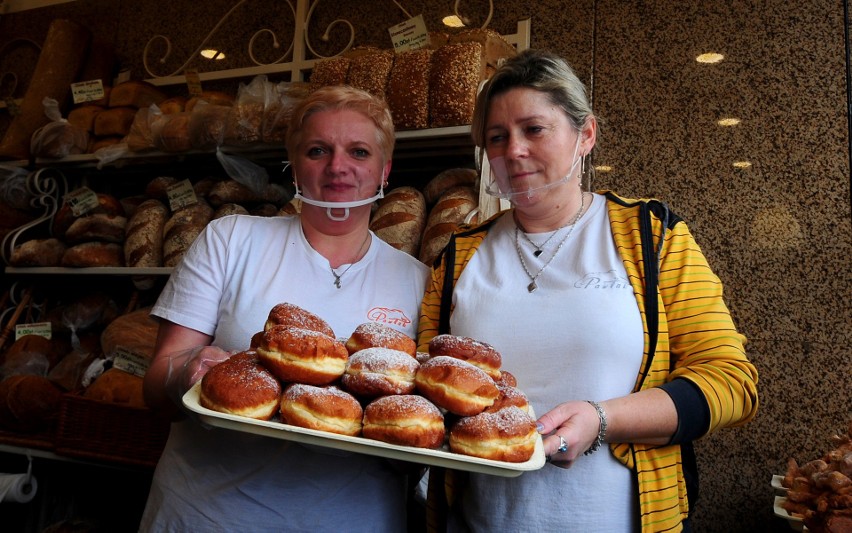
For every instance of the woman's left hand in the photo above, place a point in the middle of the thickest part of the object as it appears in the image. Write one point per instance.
(568, 430)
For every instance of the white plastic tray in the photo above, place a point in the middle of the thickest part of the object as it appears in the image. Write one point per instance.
(439, 457)
(796, 523)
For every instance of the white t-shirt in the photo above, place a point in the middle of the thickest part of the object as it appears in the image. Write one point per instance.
(221, 480)
(578, 336)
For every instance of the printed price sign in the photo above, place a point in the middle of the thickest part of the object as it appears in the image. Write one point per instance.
(409, 35)
(193, 83)
(42, 329)
(130, 361)
(82, 200)
(181, 194)
(87, 91)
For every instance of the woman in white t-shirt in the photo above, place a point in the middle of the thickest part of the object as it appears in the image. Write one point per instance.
(326, 260)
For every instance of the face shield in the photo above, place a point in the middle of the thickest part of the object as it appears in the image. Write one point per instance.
(329, 206)
(501, 185)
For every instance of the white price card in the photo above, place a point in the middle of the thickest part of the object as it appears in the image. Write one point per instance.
(193, 83)
(409, 35)
(181, 194)
(82, 200)
(87, 91)
(130, 361)
(42, 329)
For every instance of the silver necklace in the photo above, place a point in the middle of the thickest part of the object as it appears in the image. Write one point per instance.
(533, 286)
(345, 270)
(539, 248)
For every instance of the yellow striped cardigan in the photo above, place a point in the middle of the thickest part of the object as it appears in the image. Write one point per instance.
(692, 349)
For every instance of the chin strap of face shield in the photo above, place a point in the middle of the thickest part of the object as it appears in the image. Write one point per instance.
(500, 186)
(337, 205)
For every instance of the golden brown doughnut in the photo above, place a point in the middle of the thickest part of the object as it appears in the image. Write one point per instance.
(287, 314)
(378, 372)
(323, 408)
(509, 396)
(299, 355)
(506, 378)
(455, 385)
(241, 386)
(376, 334)
(407, 419)
(473, 351)
(507, 435)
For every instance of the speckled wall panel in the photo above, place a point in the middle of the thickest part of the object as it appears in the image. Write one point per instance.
(778, 233)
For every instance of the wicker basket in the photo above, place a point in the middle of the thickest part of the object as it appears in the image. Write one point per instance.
(110, 432)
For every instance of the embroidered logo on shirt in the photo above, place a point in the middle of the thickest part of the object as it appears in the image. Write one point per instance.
(602, 280)
(388, 316)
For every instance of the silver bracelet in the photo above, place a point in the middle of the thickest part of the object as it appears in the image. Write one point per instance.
(601, 431)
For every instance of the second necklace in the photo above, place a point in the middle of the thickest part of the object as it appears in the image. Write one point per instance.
(533, 286)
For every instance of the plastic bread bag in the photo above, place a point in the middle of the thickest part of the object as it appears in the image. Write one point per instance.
(13, 187)
(58, 138)
(281, 98)
(244, 171)
(145, 129)
(207, 124)
(174, 133)
(243, 126)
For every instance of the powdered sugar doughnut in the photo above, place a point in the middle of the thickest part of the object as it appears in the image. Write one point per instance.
(376, 334)
(506, 435)
(379, 372)
(407, 419)
(287, 314)
(241, 386)
(473, 351)
(323, 408)
(455, 385)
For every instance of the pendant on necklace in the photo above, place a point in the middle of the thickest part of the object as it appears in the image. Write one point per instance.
(536, 254)
(532, 287)
(336, 281)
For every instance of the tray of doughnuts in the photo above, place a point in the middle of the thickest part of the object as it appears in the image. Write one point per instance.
(373, 393)
(433, 457)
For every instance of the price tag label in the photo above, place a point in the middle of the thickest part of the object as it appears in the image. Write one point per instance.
(409, 35)
(193, 82)
(87, 91)
(181, 194)
(42, 329)
(130, 361)
(81, 200)
(12, 106)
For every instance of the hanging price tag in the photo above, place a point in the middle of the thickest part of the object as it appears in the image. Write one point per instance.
(81, 200)
(193, 82)
(181, 194)
(409, 35)
(42, 329)
(87, 91)
(130, 361)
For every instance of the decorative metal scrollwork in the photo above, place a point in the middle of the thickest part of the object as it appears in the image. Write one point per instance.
(48, 188)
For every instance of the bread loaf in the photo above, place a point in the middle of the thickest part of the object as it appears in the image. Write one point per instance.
(331, 71)
(181, 230)
(445, 180)
(114, 121)
(28, 403)
(38, 253)
(174, 135)
(232, 191)
(211, 97)
(408, 89)
(96, 143)
(451, 210)
(370, 71)
(400, 218)
(97, 227)
(176, 104)
(94, 254)
(229, 209)
(116, 386)
(454, 79)
(64, 217)
(494, 46)
(135, 331)
(84, 116)
(143, 245)
(136, 94)
(158, 187)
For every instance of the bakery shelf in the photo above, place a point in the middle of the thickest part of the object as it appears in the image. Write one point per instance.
(132, 271)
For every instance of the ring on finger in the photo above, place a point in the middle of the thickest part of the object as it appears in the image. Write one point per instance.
(563, 446)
